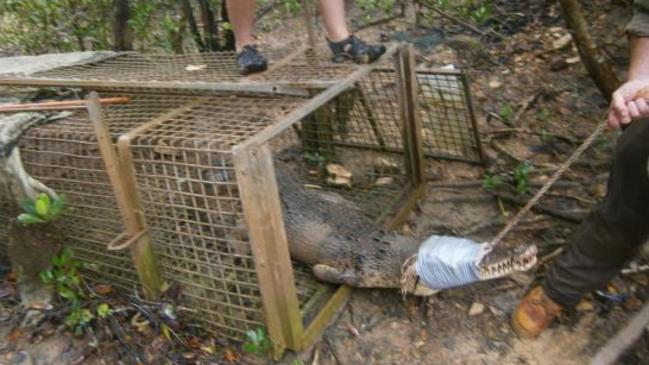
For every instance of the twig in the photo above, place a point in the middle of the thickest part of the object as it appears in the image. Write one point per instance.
(334, 350)
(464, 24)
(550, 256)
(458, 21)
(526, 105)
(634, 270)
(539, 208)
(379, 22)
(570, 196)
(494, 133)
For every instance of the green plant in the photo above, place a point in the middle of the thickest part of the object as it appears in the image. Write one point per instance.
(257, 342)
(297, 362)
(506, 112)
(78, 319)
(482, 13)
(64, 277)
(104, 310)
(490, 182)
(42, 209)
(314, 158)
(522, 177)
(544, 114)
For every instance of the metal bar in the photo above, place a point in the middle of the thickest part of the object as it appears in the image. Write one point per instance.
(309, 107)
(410, 114)
(281, 88)
(129, 205)
(263, 215)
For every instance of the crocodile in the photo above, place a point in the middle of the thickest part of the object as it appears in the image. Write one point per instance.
(343, 246)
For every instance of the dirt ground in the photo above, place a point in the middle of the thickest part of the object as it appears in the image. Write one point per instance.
(554, 105)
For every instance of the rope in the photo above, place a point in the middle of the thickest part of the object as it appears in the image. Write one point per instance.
(557, 174)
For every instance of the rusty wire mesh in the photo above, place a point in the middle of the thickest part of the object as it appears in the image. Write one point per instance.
(194, 69)
(367, 116)
(7, 212)
(181, 146)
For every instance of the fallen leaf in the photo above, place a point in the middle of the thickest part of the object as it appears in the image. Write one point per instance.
(494, 84)
(585, 306)
(230, 355)
(195, 67)
(103, 289)
(476, 309)
(383, 181)
(562, 42)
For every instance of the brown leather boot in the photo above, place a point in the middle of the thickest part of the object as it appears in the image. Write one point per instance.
(534, 313)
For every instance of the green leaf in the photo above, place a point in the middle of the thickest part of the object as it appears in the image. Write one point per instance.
(43, 204)
(67, 293)
(166, 331)
(28, 219)
(250, 348)
(103, 311)
(28, 207)
(57, 206)
(46, 276)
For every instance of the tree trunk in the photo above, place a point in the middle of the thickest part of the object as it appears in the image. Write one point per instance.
(228, 34)
(211, 31)
(30, 251)
(594, 60)
(122, 36)
(193, 27)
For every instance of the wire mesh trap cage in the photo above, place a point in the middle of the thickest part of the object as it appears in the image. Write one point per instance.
(190, 175)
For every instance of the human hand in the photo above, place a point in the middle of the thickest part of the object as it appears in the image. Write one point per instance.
(629, 102)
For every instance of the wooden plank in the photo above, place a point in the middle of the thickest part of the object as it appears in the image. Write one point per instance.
(624, 339)
(308, 23)
(469, 103)
(406, 205)
(129, 206)
(407, 87)
(325, 316)
(309, 107)
(263, 214)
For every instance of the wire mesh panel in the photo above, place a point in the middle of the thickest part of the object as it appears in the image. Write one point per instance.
(7, 212)
(192, 71)
(181, 145)
(186, 180)
(368, 116)
(64, 155)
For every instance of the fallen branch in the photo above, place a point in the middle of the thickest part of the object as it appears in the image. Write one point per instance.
(539, 208)
(526, 105)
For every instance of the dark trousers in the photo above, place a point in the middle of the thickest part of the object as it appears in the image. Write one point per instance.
(614, 230)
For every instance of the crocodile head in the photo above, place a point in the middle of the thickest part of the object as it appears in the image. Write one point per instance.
(499, 262)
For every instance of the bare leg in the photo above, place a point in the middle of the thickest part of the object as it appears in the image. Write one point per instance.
(242, 17)
(333, 15)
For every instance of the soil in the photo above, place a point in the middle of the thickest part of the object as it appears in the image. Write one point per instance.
(554, 105)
